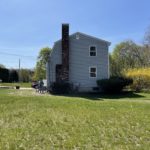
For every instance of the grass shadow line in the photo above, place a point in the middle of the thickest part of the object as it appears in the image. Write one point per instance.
(102, 96)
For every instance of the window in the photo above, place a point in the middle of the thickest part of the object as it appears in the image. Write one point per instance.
(93, 72)
(92, 50)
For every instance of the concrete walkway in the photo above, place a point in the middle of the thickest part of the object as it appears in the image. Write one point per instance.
(6, 87)
(26, 88)
(13, 87)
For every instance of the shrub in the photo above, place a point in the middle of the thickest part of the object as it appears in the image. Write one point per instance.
(113, 84)
(60, 88)
(141, 78)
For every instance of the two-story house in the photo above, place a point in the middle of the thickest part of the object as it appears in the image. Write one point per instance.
(79, 59)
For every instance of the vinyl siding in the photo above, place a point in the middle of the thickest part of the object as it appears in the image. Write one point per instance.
(55, 58)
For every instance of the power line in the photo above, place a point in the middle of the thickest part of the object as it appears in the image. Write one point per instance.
(11, 54)
(12, 49)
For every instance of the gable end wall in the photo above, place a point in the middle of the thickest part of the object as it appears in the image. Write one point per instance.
(80, 61)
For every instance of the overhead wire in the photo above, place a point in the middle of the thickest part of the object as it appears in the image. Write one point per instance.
(18, 55)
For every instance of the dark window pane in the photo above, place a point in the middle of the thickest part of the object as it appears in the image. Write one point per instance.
(93, 69)
(92, 48)
(92, 53)
(92, 74)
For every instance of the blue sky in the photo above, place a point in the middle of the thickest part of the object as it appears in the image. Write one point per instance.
(28, 25)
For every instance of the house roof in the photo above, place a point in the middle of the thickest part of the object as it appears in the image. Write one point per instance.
(89, 36)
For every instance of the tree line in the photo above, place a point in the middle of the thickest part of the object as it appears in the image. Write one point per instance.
(27, 75)
(14, 75)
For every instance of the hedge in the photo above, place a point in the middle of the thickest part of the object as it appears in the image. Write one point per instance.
(113, 84)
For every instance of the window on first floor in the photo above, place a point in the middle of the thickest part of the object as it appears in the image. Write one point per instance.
(93, 72)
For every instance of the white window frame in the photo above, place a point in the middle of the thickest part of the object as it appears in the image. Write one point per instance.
(90, 50)
(91, 72)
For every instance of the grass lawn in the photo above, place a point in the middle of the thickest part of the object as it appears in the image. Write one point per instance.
(42, 122)
(14, 84)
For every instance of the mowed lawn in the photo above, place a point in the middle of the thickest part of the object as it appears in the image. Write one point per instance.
(30, 121)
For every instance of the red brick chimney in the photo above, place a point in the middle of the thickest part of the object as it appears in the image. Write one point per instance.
(65, 52)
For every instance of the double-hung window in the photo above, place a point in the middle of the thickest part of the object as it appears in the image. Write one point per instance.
(93, 72)
(93, 51)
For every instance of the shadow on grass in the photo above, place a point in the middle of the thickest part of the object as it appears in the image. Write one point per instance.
(102, 96)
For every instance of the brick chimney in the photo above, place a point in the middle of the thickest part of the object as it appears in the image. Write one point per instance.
(65, 52)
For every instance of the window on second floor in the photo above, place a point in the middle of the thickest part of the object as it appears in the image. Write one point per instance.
(93, 51)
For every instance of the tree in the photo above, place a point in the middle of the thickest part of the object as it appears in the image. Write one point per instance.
(126, 55)
(2, 66)
(146, 47)
(25, 75)
(44, 55)
(147, 37)
(4, 74)
(13, 76)
(40, 70)
(114, 69)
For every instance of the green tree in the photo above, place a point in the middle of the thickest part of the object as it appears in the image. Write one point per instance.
(147, 37)
(114, 70)
(13, 76)
(40, 70)
(4, 74)
(146, 47)
(126, 55)
(25, 75)
(2, 66)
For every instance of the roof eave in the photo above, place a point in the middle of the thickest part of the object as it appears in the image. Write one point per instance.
(108, 43)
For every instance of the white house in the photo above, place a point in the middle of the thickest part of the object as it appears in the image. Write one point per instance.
(79, 59)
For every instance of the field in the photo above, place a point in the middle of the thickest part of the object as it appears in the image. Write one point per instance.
(30, 121)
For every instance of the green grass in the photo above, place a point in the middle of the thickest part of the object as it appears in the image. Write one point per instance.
(42, 122)
(14, 84)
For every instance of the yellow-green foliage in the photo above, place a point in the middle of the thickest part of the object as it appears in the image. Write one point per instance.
(141, 78)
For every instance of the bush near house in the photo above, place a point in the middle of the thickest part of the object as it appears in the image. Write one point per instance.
(114, 84)
(61, 88)
(141, 78)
